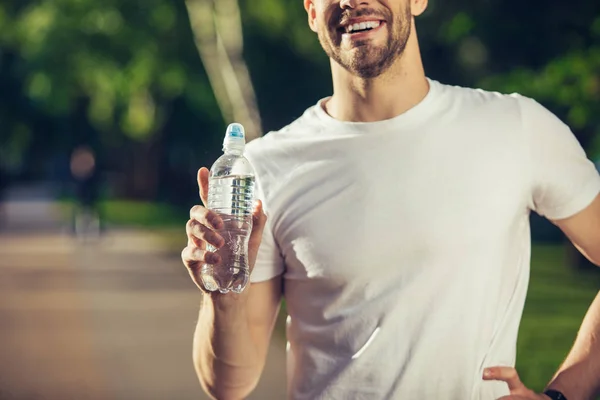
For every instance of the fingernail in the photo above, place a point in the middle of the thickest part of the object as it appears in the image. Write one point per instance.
(218, 223)
(214, 221)
(210, 258)
(487, 373)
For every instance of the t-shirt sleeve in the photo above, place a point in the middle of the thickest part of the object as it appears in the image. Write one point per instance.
(564, 180)
(269, 261)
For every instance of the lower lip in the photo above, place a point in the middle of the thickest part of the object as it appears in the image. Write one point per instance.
(363, 35)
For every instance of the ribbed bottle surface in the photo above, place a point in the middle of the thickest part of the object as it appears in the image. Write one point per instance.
(232, 197)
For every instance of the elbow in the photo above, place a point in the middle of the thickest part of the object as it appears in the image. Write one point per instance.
(219, 392)
(593, 254)
(223, 381)
(220, 387)
(594, 257)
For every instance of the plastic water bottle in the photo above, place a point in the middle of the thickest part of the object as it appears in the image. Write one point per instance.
(231, 195)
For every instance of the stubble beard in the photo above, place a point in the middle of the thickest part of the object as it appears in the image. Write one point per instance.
(365, 59)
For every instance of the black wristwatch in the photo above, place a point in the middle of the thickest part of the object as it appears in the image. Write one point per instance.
(555, 395)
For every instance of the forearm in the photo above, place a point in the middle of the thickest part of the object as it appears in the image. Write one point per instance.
(579, 376)
(226, 358)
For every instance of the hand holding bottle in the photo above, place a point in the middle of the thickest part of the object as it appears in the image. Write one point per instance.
(223, 238)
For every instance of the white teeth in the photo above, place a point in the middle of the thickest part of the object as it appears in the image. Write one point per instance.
(362, 26)
(353, 28)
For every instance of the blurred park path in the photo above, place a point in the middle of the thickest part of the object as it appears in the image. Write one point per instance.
(111, 319)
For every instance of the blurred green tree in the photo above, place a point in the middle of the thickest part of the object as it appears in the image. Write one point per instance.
(110, 73)
(128, 76)
(540, 49)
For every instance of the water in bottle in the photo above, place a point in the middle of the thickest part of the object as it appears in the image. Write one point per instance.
(231, 195)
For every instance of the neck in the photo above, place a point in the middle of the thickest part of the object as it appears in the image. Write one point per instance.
(397, 90)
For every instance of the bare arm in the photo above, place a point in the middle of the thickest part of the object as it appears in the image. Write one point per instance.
(583, 229)
(232, 339)
(233, 331)
(578, 378)
(579, 375)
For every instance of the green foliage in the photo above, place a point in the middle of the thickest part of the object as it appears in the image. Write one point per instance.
(124, 56)
(135, 64)
(570, 82)
(456, 28)
(126, 72)
(14, 144)
(282, 20)
(558, 298)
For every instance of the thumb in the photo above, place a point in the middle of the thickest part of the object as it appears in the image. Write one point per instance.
(203, 185)
(505, 374)
(259, 220)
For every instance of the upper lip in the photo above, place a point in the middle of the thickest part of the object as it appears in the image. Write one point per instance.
(358, 20)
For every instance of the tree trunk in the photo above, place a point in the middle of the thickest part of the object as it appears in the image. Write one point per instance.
(217, 29)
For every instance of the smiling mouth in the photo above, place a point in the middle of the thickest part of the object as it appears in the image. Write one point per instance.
(358, 27)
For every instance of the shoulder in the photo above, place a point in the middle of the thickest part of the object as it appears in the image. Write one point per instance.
(273, 154)
(496, 105)
(280, 143)
(480, 98)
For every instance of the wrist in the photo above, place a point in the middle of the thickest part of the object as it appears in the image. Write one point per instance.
(225, 302)
(552, 394)
(573, 384)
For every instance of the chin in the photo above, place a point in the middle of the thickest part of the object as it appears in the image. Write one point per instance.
(366, 73)
(364, 68)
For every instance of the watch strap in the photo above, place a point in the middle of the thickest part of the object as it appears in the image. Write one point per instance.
(555, 394)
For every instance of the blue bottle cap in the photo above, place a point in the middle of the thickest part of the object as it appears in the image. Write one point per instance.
(235, 130)
(235, 138)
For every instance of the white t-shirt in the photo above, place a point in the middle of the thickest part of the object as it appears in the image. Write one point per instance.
(405, 244)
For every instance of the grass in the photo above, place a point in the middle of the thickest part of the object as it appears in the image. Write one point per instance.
(137, 214)
(557, 301)
(142, 214)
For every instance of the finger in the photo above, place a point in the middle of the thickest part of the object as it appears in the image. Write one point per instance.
(206, 217)
(194, 242)
(196, 230)
(258, 214)
(193, 256)
(505, 374)
(203, 184)
(193, 259)
(259, 220)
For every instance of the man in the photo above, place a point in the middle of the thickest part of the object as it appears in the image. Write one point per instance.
(3, 186)
(85, 174)
(398, 231)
